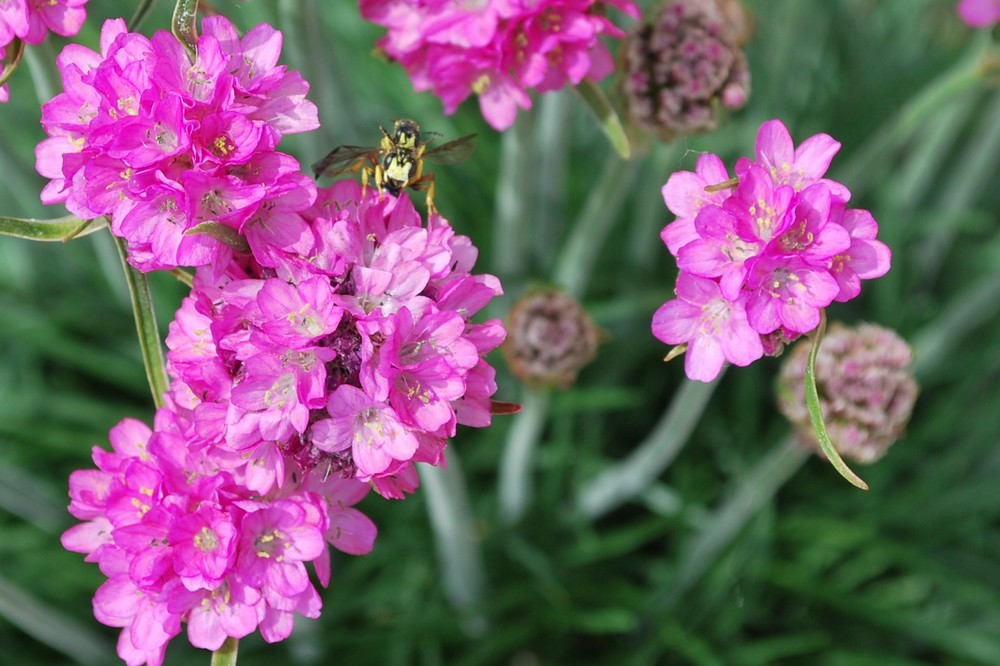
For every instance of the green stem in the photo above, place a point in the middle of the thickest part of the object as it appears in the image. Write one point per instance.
(140, 15)
(183, 25)
(584, 244)
(551, 143)
(599, 104)
(455, 533)
(145, 324)
(623, 481)
(515, 185)
(517, 463)
(816, 411)
(226, 655)
(13, 59)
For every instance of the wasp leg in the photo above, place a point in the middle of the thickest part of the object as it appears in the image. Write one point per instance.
(426, 182)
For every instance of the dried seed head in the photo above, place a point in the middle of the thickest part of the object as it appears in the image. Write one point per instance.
(685, 61)
(866, 390)
(549, 338)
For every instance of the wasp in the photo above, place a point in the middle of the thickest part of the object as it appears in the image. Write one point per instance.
(397, 162)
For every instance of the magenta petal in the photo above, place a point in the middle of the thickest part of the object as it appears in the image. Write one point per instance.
(703, 359)
(813, 156)
(675, 322)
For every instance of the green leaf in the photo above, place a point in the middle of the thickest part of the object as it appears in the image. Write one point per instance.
(816, 413)
(221, 233)
(600, 106)
(59, 229)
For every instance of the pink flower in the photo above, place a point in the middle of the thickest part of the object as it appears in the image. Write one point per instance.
(369, 335)
(31, 20)
(979, 13)
(761, 258)
(184, 542)
(714, 328)
(138, 137)
(371, 432)
(497, 49)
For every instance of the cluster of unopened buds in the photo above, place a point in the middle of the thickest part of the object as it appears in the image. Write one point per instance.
(761, 254)
(497, 49)
(326, 346)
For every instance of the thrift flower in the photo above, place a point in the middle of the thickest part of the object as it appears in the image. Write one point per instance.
(358, 359)
(761, 258)
(865, 385)
(497, 49)
(180, 154)
(183, 541)
(31, 20)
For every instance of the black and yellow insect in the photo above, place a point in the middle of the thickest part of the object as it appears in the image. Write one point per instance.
(398, 161)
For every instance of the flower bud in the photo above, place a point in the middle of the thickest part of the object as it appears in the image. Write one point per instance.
(549, 338)
(865, 385)
(683, 63)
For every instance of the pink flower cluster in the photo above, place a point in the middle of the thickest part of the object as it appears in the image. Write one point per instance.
(31, 20)
(497, 49)
(181, 540)
(326, 347)
(760, 259)
(180, 154)
(294, 390)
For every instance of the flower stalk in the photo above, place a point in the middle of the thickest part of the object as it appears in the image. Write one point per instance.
(145, 324)
(226, 655)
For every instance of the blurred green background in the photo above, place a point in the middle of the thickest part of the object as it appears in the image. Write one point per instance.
(743, 551)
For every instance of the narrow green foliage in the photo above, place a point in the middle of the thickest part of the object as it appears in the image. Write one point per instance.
(58, 229)
(816, 412)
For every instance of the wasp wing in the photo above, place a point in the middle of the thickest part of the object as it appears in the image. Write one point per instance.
(452, 152)
(343, 159)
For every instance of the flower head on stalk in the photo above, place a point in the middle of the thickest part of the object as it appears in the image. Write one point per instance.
(761, 256)
(497, 49)
(180, 154)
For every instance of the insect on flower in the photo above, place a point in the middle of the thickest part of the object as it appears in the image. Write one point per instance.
(398, 161)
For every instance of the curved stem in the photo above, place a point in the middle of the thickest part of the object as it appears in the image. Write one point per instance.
(517, 463)
(145, 324)
(514, 194)
(455, 532)
(816, 412)
(183, 24)
(140, 15)
(588, 235)
(623, 481)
